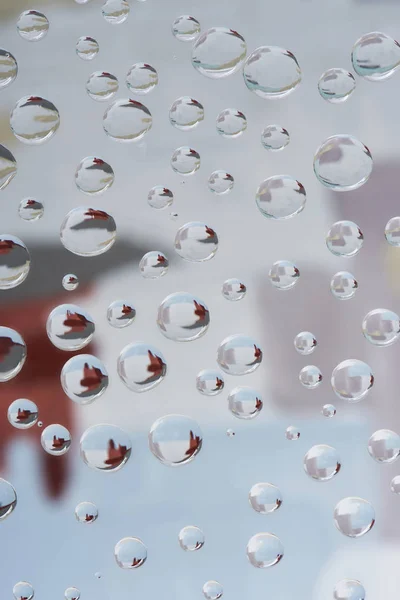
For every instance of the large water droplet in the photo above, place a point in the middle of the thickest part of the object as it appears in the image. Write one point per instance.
(185, 161)
(375, 56)
(12, 353)
(280, 197)
(239, 355)
(344, 285)
(84, 378)
(381, 327)
(141, 78)
(336, 85)
(186, 28)
(160, 197)
(219, 52)
(23, 591)
(8, 499)
(182, 317)
(15, 261)
(210, 382)
(392, 231)
(87, 48)
(233, 290)
(141, 366)
(32, 25)
(34, 120)
(284, 274)
(305, 343)
(196, 242)
(212, 590)
(292, 433)
(121, 313)
(154, 265)
(127, 120)
(328, 410)
(115, 11)
(105, 447)
(191, 538)
(88, 231)
(130, 553)
(245, 402)
(349, 589)
(220, 182)
(384, 446)
(271, 72)
(231, 123)
(275, 138)
(102, 86)
(70, 327)
(22, 413)
(310, 377)
(86, 512)
(30, 209)
(55, 439)
(352, 379)
(70, 282)
(264, 550)
(344, 238)
(8, 68)
(354, 517)
(322, 462)
(8, 166)
(265, 498)
(175, 439)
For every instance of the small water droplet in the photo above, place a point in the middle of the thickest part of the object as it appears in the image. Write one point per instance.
(349, 589)
(70, 282)
(271, 72)
(121, 313)
(153, 265)
(328, 410)
(322, 462)
(55, 439)
(336, 85)
(292, 433)
(8, 68)
(102, 86)
(305, 343)
(32, 25)
(218, 52)
(392, 231)
(381, 327)
(186, 113)
(191, 538)
(239, 355)
(344, 238)
(105, 447)
(12, 355)
(127, 120)
(8, 164)
(84, 378)
(130, 553)
(395, 484)
(280, 197)
(265, 498)
(212, 590)
(384, 446)
(230, 433)
(175, 440)
(264, 550)
(352, 379)
(354, 517)
(40, 424)
(141, 78)
(196, 242)
(86, 512)
(70, 327)
(115, 11)
(245, 403)
(160, 197)
(87, 47)
(8, 499)
(310, 377)
(186, 28)
(30, 209)
(275, 138)
(141, 366)
(210, 382)
(22, 413)
(23, 591)
(183, 317)
(15, 261)
(72, 593)
(284, 275)
(375, 56)
(34, 120)
(185, 161)
(173, 216)
(88, 231)
(220, 182)
(231, 123)
(344, 285)
(233, 290)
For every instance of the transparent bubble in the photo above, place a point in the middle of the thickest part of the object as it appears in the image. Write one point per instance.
(344, 238)
(87, 48)
(34, 120)
(352, 379)
(275, 138)
(98, 575)
(245, 402)
(32, 25)
(239, 355)
(322, 462)
(15, 261)
(354, 517)
(305, 343)
(186, 113)
(336, 85)
(105, 447)
(185, 161)
(70, 282)
(88, 231)
(121, 313)
(160, 197)
(12, 353)
(8, 68)
(392, 231)
(141, 78)
(175, 440)
(86, 512)
(381, 327)
(233, 289)
(280, 197)
(127, 120)
(115, 11)
(310, 377)
(342, 163)
(349, 589)
(196, 242)
(23, 591)
(84, 378)
(265, 498)
(284, 274)
(130, 553)
(210, 382)
(40, 424)
(212, 590)
(8, 166)
(264, 550)
(375, 56)
(72, 593)
(271, 72)
(182, 317)
(22, 413)
(230, 433)
(141, 366)
(395, 484)
(154, 265)
(344, 285)
(384, 446)
(220, 182)
(191, 538)
(93, 176)
(292, 433)
(30, 209)
(328, 410)
(218, 52)
(70, 327)
(55, 439)
(102, 86)
(231, 123)
(8, 499)
(186, 28)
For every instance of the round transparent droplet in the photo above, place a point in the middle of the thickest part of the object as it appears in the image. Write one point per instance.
(102, 86)
(191, 538)
(8, 68)
(88, 231)
(160, 197)
(15, 261)
(40, 423)
(185, 161)
(210, 382)
(183, 317)
(153, 265)
(280, 197)
(141, 78)
(233, 290)
(173, 216)
(395, 484)
(292, 433)
(8, 165)
(305, 343)
(384, 446)
(271, 72)
(186, 28)
(344, 285)
(130, 553)
(105, 447)
(352, 379)
(141, 366)
(84, 378)
(265, 498)
(239, 355)
(186, 113)
(93, 176)
(98, 575)
(381, 327)
(284, 275)
(310, 377)
(70, 282)
(218, 52)
(34, 120)
(121, 313)
(322, 462)
(8, 499)
(32, 25)
(245, 403)
(212, 590)
(264, 550)
(115, 11)
(23, 591)
(196, 242)
(349, 589)
(375, 56)
(55, 439)
(127, 120)
(342, 163)
(230, 433)
(175, 439)
(344, 238)
(22, 413)
(231, 123)
(275, 138)
(354, 517)
(86, 512)
(72, 593)
(328, 410)
(220, 182)
(70, 327)
(392, 231)
(30, 209)
(87, 48)
(12, 353)
(336, 85)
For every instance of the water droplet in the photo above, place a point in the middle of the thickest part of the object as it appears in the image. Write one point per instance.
(22, 413)
(88, 231)
(102, 86)
(182, 317)
(82, 1)
(392, 231)
(381, 327)
(30, 209)
(8, 68)
(349, 589)
(15, 261)
(70, 282)
(239, 355)
(175, 440)
(375, 56)
(265, 498)
(130, 553)
(220, 182)
(310, 377)
(105, 447)
(115, 11)
(8, 166)
(70, 327)
(328, 410)
(12, 353)
(87, 48)
(264, 550)
(72, 593)
(121, 313)
(34, 120)
(186, 113)
(160, 197)
(280, 197)
(141, 78)
(275, 138)
(305, 343)
(23, 591)
(344, 285)
(173, 216)
(84, 378)
(245, 402)
(219, 52)
(233, 289)
(154, 265)
(384, 446)
(322, 462)
(344, 238)
(230, 433)
(185, 161)
(210, 382)
(292, 433)
(284, 274)
(8, 499)
(354, 517)
(231, 123)
(352, 379)
(191, 538)
(86, 512)
(127, 120)
(98, 575)
(186, 28)
(336, 85)
(32, 25)
(40, 424)
(212, 590)
(55, 439)
(271, 72)
(395, 484)
(342, 163)
(141, 366)
(196, 242)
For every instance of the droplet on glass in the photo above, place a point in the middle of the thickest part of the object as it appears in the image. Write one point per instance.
(344, 285)
(88, 231)
(15, 261)
(328, 410)
(349, 589)
(55, 439)
(239, 355)
(231, 123)
(8, 499)
(336, 85)
(153, 265)
(86, 512)
(141, 366)
(185, 161)
(84, 378)
(210, 382)
(98, 575)
(121, 313)
(344, 238)
(102, 86)
(40, 423)
(70, 327)
(175, 440)
(141, 78)
(245, 403)
(30, 209)
(127, 120)
(392, 231)
(381, 327)
(130, 553)
(230, 433)
(182, 317)
(395, 484)
(280, 197)
(72, 593)
(275, 138)
(173, 216)
(264, 550)
(220, 182)
(384, 446)
(310, 377)
(12, 353)
(32, 25)
(105, 447)
(22, 413)
(212, 590)
(186, 28)
(375, 56)
(8, 165)
(8, 68)
(186, 113)
(34, 120)
(160, 197)
(322, 462)
(93, 176)
(23, 591)
(191, 538)
(271, 72)
(70, 282)
(233, 290)
(352, 379)
(115, 11)
(284, 274)
(354, 517)
(305, 343)
(265, 498)
(292, 433)
(196, 242)
(87, 48)
(218, 52)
